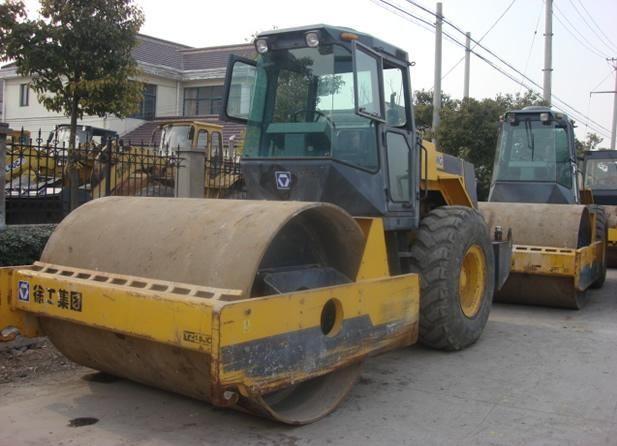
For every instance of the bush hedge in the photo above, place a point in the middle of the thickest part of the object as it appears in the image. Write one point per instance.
(23, 244)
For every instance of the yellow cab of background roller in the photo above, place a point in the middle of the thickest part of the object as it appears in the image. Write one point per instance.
(560, 243)
(599, 186)
(356, 239)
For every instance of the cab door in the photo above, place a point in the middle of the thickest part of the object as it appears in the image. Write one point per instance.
(385, 81)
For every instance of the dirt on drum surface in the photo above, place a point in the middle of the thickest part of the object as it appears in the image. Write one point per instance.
(24, 360)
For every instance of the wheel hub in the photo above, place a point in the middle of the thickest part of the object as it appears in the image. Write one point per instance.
(472, 281)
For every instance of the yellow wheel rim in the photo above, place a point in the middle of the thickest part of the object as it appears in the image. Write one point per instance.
(472, 281)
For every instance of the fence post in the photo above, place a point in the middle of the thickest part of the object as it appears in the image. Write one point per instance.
(108, 169)
(4, 130)
(191, 173)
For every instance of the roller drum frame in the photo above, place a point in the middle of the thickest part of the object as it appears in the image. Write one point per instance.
(611, 215)
(562, 229)
(220, 243)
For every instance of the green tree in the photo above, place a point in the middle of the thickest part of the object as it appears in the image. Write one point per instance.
(11, 13)
(469, 130)
(77, 56)
(591, 142)
(423, 110)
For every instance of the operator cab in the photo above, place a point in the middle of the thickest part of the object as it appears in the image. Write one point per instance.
(600, 173)
(536, 158)
(84, 135)
(329, 119)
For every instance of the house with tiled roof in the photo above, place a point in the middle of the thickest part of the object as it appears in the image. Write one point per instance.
(179, 81)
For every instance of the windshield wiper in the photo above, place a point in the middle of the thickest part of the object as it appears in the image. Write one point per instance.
(530, 139)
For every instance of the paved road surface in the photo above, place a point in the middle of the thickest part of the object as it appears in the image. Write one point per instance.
(537, 377)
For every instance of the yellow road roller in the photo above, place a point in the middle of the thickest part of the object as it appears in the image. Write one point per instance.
(356, 239)
(600, 183)
(559, 244)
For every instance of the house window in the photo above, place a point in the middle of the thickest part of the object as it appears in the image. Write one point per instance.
(147, 107)
(203, 101)
(24, 95)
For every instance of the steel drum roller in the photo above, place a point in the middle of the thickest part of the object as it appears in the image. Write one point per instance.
(219, 243)
(545, 225)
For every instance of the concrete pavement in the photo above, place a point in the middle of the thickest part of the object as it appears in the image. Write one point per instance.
(537, 377)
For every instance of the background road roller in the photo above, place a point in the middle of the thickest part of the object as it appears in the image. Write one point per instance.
(559, 244)
(600, 177)
(356, 240)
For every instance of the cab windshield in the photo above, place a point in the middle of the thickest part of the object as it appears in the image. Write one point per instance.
(601, 174)
(175, 137)
(304, 107)
(531, 151)
(63, 135)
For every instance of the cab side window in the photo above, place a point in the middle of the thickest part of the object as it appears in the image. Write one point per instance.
(394, 95)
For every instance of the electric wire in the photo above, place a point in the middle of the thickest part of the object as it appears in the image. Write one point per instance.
(612, 44)
(609, 74)
(604, 39)
(571, 29)
(564, 107)
(481, 38)
(533, 41)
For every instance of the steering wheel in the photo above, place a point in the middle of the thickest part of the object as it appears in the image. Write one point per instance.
(317, 114)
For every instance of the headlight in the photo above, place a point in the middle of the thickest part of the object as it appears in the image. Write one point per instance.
(312, 39)
(545, 117)
(261, 46)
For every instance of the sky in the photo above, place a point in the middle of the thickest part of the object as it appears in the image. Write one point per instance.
(580, 43)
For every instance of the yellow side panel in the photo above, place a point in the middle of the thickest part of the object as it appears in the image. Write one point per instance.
(172, 319)
(612, 235)
(394, 299)
(450, 186)
(582, 264)
(9, 316)
(454, 192)
(544, 261)
(375, 258)
(267, 341)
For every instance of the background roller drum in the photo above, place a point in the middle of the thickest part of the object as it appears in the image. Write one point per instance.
(224, 243)
(541, 225)
(453, 255)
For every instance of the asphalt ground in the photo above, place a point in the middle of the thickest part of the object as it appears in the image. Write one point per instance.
(538, 376)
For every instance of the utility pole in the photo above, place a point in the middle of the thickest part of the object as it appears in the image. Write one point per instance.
(467, 57)
(437, 83)
(548, 51)
(614, 129)
(612, 60)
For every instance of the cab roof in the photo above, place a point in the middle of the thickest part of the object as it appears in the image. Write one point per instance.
(191, 122)
(333, 33)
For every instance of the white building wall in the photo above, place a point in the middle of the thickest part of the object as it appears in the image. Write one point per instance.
(166, 104)
(34, 116)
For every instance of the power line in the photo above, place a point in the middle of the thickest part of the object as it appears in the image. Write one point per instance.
(603, 80)
(613, 46)
(481, 37)
(610, 48)
(571, 29)
(533, 40)
(573, 112)
(405, 15)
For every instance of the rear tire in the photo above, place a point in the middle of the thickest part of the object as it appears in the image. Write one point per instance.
(446, 239)
(601, 234)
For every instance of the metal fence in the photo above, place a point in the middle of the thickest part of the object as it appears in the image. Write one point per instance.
(43, 179)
